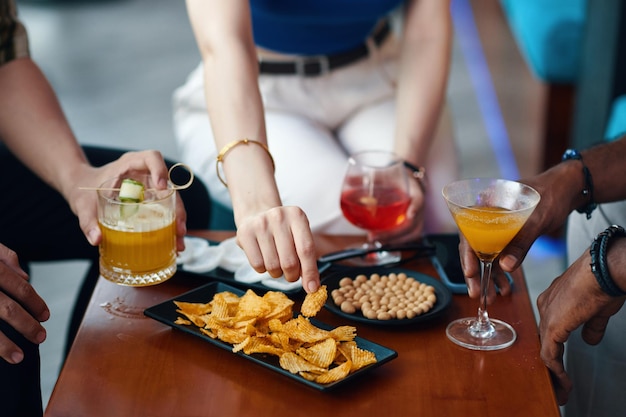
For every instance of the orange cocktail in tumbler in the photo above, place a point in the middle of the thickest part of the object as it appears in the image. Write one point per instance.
(138, 245)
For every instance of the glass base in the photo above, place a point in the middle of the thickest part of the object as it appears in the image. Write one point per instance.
(465, 333)
(131, 279)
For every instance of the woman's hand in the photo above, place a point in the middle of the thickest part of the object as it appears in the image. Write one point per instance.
(280, 242)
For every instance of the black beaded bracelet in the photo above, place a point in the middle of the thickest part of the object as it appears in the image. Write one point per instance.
(599, 266)
(588, 190)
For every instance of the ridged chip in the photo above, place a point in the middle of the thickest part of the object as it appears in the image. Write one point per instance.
(321, 354)
(334, 374)
(313, 302)
(295, 364)
(265, 325)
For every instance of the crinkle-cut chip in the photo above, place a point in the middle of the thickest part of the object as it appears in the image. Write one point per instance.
(314, 301)
(302, 330)
(182, 321)
(231, 336)
(261, 345)
(212, 322)
(199, 321)
(221, 308)
(343, 333)
(335, 374)
(208, 332)
(321, 354)
(295, 364)
(309, 376)
(359, 357)
(275, 325)
(194, 309)
(252, 306)
(281, 306)
(281, 339)
(243, 325)
(239, 346)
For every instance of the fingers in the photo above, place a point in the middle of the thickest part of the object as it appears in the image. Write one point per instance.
(22, 309)
(552, 356)
(151, 161)
(471, 268)
(281, 243)
(181, 223)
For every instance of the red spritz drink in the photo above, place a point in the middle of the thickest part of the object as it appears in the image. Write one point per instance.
(375, 197)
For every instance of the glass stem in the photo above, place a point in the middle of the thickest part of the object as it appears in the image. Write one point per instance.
(483, 327)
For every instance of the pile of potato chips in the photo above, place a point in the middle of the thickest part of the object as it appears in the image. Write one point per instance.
(266, 324)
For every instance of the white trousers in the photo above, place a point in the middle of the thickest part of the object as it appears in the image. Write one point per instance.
(598, 372)
(313, 124)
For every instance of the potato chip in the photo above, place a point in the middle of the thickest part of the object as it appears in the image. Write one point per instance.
(335, 374)
(194, 309)
(357, 356)
(252, 306)
(301, 329)
(343, 333)
(321, 354)
(266, 325)
(313, 302)
(295, 364)
(262, 345)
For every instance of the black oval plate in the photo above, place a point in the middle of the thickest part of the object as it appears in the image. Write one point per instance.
(444, 296)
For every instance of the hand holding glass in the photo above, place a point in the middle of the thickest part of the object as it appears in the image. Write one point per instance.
(375, 197)
(489, 213)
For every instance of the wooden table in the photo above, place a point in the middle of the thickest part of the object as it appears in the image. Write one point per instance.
(123, 364)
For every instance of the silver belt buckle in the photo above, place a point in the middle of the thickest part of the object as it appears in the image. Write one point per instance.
(321, 60)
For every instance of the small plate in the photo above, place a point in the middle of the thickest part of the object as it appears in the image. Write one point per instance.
(165, 312)
(444, 296)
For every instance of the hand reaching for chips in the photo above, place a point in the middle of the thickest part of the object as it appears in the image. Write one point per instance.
(255, 324)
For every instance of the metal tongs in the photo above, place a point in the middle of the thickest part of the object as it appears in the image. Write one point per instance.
(422, 249)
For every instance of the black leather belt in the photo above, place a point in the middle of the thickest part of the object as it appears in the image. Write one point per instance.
(311, 66)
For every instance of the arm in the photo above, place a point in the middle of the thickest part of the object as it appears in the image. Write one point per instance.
(34, 128)
(425, 59)
(575, 299)
(276, 239)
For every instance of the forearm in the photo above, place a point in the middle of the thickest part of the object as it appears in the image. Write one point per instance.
(606, 165)
(423, 77)
(34, 128)
(235, 108)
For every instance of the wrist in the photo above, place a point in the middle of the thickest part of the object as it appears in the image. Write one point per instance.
(599, 252)
(418, 173)
(588, 204)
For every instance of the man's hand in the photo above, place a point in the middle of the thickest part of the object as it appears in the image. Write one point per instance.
(572, 300)
(20, 306)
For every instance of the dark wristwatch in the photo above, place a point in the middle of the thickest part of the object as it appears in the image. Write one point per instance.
(588, 190)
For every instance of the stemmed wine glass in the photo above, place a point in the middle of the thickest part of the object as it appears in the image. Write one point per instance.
(375, 197)
(489, 213)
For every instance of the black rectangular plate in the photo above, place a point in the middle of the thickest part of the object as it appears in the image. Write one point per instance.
(165, 312)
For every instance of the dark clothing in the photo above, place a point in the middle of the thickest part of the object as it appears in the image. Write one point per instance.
(37, 223)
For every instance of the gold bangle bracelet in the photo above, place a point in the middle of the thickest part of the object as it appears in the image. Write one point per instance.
(228, 147)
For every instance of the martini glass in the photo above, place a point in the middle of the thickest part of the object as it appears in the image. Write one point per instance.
(375, 197)
(489, 213)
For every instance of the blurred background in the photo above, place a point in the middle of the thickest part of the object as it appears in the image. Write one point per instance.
(115, 63)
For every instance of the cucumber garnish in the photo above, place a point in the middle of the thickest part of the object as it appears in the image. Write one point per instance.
(131, 193)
